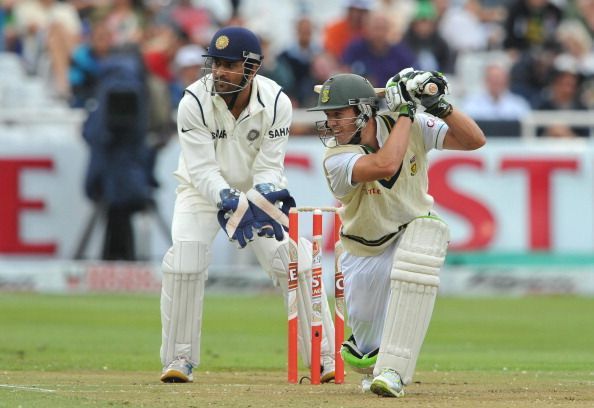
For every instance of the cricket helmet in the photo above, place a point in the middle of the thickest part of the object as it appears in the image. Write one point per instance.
(344, 90)
(235, 44)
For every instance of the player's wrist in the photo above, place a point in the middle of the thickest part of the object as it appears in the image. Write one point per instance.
(407, 110)
(441, 109)
(227, 194)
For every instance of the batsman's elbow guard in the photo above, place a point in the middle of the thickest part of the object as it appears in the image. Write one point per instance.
(235, 216)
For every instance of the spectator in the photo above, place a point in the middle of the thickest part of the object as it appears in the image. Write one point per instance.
(585, 11)
(125, 20)
(530, 73)
(194, 20)
(338, 34)
(431, 50)
(563, 94)
(399, 13)
(373, 56)
(474, 36)
(160, 51)
(48, 30)
(577, 44)
(85, 62)
(298, 58)
(531, 24)
(273, 67)
(188, 63)
(495, 101)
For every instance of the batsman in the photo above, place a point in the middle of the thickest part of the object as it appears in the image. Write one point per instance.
(233, 128)
(394, 241)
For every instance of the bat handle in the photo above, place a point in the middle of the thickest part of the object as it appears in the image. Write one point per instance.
(430, 89)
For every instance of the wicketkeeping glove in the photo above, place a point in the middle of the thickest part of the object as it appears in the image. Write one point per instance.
(270, 208)
(235, 216)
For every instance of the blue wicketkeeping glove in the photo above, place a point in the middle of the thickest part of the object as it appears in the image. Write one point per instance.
(270, 208)
(235, 216)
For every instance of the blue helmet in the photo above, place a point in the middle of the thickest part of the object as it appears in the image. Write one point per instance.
(235, 44)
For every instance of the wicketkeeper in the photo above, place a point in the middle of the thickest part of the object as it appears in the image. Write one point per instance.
(395, 243)
(233, 128)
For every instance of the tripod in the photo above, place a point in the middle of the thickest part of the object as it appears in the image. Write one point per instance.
(118, 242)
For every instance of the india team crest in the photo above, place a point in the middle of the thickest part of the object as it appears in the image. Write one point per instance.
(222, 42)
(252, 135)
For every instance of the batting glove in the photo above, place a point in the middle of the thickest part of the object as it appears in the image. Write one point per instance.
(270, 208)
(420, 88)
(235, 216)
(396, 90)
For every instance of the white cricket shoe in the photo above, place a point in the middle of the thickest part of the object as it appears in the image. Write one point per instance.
(366, 382)
(328, 369)
(178, 371)
(387, 384)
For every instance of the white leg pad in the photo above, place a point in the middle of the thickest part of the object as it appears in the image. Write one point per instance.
(414, 284)
(182, 295)
(280, 267)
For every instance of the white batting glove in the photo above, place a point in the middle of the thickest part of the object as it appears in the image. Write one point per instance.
(430, 89)
(396, 90)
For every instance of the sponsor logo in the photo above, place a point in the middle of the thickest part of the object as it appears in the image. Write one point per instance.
(413, 165)
(339, 287)
(372, 191)
(186, 130)
(293, 276)
(219, 134)
(316, 282)
(274, 133)
(222, 42)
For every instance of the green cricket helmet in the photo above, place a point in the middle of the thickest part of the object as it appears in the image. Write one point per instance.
(344, 90)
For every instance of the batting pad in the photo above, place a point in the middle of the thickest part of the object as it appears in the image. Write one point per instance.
(182, 294)
(280, 266)
(414, 284)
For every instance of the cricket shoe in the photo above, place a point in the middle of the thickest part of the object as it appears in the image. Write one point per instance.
(366, 382)
(387, 384)
(178, 371)
(328, 370)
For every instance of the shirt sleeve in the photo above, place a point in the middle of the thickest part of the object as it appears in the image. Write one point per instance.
(198, 151)
(269, 164)
(434, 131)
(340, 172)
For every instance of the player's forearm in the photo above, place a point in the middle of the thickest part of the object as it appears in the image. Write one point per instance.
(203, 169)
(463, 133)
(391, 154)
(387, 160)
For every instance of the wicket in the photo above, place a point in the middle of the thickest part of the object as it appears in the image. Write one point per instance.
(316, 295)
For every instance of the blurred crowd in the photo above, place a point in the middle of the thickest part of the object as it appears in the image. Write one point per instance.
(504, 57)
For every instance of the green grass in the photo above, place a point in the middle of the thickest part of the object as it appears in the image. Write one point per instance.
(122, 332)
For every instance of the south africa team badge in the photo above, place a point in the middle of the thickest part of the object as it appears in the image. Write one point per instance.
(325, 95)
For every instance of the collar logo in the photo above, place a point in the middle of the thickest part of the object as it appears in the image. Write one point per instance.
(325, 95)
(222, 42)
